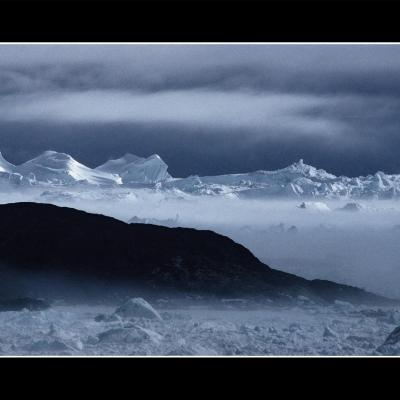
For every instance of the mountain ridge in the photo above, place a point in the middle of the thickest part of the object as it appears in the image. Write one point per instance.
(61, 169)
(296, 180)
(133, 169)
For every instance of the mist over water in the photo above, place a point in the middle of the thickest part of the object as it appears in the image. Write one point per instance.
(359, 248)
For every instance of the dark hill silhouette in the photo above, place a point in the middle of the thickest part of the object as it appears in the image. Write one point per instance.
(45, 238)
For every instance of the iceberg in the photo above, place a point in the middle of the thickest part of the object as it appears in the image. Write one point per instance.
(137, 170)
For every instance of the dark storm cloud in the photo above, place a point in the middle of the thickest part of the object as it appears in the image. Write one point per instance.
(317, 69)
(195, 152)
(205, 109)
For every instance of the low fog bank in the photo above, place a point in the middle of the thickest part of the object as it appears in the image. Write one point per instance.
(62, 288)
(357, 246)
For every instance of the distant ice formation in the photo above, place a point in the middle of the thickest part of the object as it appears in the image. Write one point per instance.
(352, 207)
(61, 169)
(169, 222)
(297, 180)
(133, 169)
(314, 205)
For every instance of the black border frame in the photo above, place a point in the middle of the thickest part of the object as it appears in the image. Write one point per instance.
(195, 20)
(202, 21)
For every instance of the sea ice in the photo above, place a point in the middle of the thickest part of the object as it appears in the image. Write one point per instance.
(137, 308)
(206, 330)
(314, 205)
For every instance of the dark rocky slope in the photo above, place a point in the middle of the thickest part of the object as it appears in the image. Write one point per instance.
(41, 238)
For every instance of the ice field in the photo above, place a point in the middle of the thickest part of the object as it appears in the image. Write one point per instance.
(340, 329)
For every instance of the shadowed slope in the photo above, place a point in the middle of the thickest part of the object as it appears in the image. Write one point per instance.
(45, 238)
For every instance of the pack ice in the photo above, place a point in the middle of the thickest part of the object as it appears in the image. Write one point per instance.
(214, 329)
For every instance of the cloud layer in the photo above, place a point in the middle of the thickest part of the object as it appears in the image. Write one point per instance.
(225, 108)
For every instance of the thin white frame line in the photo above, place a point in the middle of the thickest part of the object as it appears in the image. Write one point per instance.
(197, 44)
(203, 43)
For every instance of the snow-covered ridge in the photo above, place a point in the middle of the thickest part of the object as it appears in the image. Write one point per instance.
(59, 169)
(297, 180)
(5, 166)
(133, 169)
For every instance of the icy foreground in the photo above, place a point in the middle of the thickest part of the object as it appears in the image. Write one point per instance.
(53, 169)
(340, 329)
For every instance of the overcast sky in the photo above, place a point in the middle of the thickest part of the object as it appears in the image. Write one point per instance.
(205, 109)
